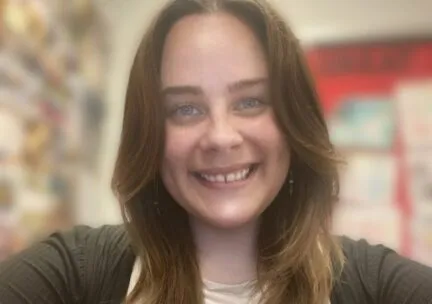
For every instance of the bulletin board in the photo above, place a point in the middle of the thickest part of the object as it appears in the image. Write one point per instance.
(377, 98)
(52, 66)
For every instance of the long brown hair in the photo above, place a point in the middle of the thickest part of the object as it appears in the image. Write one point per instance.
(298, 259)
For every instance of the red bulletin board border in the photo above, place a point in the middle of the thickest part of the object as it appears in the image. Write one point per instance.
(372, 67)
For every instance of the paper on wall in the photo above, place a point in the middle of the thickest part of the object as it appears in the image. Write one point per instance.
(378, 225)
(419, 179)
(422, 238)
(414, 107)
(369, 179)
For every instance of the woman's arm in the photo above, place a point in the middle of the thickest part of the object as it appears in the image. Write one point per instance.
(82, 266)
(385, 276)
(48, 272)
(401, 280)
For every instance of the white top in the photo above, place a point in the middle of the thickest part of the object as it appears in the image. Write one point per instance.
(215, 293)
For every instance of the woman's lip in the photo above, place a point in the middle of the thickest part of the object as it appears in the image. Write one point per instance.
(225, 170)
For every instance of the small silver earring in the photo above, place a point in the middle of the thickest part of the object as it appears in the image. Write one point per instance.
(291, 183)
(156, 202)
(156, 205)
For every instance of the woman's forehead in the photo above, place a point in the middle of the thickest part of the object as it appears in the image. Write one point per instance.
(200, 47)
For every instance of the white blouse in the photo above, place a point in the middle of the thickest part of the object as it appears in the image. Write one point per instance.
(215, 293)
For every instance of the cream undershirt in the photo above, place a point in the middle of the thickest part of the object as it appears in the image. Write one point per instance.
(215, 293)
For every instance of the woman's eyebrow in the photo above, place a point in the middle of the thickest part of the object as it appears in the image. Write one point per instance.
(196, 90)
(247, 83)
(181, 90)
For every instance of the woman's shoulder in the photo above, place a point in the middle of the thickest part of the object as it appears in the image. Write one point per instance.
(378, 274)
(102, 244)
(361, 251)
(112, 237)
(82, 265)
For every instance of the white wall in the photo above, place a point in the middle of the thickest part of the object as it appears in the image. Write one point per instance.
(127, 19)
(312, 20)
(338, 20)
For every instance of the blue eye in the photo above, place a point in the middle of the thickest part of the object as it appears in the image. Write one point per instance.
(187, 110)
(249, 103)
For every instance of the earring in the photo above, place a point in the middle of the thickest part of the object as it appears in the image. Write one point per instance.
(156, 206)
(291, 183)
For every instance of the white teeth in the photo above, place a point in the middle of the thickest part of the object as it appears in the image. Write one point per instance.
(210, 178)
(231, 177)
(228, 178)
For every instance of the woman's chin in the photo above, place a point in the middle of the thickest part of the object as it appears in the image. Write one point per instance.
(229, 222)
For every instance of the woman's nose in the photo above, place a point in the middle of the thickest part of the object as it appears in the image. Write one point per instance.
(221, 135)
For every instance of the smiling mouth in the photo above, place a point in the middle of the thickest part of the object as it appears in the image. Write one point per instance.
(229, 177)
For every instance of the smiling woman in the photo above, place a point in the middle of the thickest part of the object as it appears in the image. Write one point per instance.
(227, 181)
(233, 132)
(222, 133)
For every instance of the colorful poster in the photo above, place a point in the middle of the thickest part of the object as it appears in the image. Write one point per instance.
(377, 98)
(366, 122)
(369, 179)
(414, 102)
(419, 173)
(51, 110)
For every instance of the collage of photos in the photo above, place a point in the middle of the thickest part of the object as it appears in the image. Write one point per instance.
(380, 120)
(364, 130)
(415, 105)
(51, 108)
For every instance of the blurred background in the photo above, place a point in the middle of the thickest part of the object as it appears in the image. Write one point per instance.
(64, 65)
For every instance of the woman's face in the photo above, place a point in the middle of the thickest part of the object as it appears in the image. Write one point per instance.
(225, 158)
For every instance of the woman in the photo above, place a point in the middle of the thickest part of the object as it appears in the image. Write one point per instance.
(227, 180)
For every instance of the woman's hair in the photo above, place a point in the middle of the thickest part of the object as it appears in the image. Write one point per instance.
(298, 259)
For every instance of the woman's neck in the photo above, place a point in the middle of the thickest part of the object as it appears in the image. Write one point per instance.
(226, 256)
